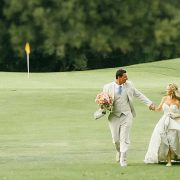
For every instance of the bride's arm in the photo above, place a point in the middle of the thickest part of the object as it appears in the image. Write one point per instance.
(159, 108)
(176, 115)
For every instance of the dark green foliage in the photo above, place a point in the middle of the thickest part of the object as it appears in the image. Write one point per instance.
(68, 35)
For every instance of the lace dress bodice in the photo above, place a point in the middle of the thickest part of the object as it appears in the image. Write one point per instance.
(170, 108)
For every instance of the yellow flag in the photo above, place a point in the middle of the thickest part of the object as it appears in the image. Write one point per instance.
(27, 48)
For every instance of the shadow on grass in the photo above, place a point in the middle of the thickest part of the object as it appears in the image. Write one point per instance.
(176, 163)
(162, 163)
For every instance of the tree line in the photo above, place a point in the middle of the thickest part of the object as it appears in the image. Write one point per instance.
(67, 35)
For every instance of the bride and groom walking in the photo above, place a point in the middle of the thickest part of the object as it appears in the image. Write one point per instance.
(165, 140)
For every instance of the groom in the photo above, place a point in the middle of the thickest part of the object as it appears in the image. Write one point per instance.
(120, 119)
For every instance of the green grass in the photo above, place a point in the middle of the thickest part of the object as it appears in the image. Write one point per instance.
(47, 131)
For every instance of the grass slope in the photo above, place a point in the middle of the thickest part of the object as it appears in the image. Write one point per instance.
(47, 129)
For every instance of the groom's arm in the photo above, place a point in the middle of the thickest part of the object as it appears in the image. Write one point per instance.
(143, 99)
(136, 93)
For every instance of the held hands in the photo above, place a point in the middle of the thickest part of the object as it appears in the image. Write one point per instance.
(152, 107)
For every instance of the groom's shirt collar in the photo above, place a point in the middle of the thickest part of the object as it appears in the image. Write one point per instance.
(117, 85)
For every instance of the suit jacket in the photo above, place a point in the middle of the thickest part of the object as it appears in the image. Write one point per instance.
(131, 92)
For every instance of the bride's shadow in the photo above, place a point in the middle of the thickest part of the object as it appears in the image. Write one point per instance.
(177, 162)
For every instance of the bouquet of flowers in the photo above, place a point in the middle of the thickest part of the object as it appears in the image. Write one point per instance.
(104, 101)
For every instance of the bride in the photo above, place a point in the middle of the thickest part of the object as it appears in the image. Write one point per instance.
(165, 140)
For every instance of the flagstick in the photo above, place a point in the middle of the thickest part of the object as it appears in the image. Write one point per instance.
(28, 63)
(27, 49)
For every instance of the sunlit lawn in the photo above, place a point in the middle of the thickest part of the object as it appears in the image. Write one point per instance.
(47, 130)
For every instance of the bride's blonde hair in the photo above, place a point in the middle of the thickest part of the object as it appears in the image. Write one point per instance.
(176, 91)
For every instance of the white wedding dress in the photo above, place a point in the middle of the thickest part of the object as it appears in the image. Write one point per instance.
(166, 134)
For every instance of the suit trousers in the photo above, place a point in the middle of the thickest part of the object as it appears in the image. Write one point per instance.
(120, 130)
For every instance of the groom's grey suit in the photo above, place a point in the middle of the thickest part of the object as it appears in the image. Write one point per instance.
(120, 119)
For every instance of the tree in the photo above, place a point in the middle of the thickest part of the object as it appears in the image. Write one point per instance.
(78, 34)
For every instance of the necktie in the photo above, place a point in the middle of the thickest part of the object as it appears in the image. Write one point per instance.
(120, 89)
